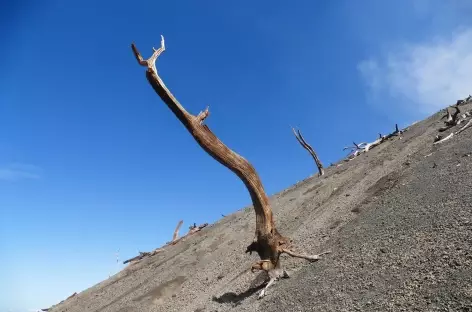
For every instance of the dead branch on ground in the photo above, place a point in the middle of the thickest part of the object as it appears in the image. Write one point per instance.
(467, 125)
(138, 257)
(310, 150)
(193, 229)
(354, 150)
(439, 139)
(268, 242)
(365, 147)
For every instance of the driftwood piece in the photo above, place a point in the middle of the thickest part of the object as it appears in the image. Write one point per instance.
(310, 150)
(439, 139)
(467, 125)
(268, 243)
(138, 257)
(354, 150)
(365, 147)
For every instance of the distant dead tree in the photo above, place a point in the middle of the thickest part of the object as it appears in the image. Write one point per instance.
(175, 239)
(310, 150)
(176, 232)
(356, 149)
(451, 119)
(268, 243)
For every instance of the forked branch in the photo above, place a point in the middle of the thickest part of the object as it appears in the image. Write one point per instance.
(312, 152)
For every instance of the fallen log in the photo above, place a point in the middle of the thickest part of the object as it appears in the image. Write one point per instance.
(138, 257)
(192, 230)
(439, 139)
(365, 147)
(467, 125)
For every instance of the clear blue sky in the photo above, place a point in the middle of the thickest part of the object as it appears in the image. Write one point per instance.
(92, 162)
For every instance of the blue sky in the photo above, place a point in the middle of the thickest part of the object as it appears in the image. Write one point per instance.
(92, 162)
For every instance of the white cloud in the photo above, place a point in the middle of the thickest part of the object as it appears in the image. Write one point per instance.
(430, 75)
(16, 171)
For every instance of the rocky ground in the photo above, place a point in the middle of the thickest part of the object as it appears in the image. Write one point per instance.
(397, 219)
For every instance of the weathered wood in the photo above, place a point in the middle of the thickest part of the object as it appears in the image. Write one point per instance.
(176, 232)
(138, 257)
(268, 243)
(365, 147)
(192, 230)
(310, 150)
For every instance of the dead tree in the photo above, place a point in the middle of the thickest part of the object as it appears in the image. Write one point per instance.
(268, 242)
(464, 101)
(176, 232)
(310, 150)
(140, 256)
(365, 147)
(451, 119)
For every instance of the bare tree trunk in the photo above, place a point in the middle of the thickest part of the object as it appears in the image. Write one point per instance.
(269, 244)
(176, 232)
(306, 146)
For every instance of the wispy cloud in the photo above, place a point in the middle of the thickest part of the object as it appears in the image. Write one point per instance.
(17, 171)
(430, 75)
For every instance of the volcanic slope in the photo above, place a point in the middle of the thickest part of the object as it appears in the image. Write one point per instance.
(398, 220)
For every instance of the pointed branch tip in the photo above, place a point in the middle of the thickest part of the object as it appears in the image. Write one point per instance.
(203, 115)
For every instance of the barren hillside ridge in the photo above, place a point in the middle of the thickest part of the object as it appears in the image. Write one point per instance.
(398, 220)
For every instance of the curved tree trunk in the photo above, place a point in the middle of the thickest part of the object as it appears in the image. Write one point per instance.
(176, 231)
(310, 150)
(269, 244)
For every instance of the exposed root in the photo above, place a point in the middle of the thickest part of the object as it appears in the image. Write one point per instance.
(263, 292)
(274, 275)
(310, 258)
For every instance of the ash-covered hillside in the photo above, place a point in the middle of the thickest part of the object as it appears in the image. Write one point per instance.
(398, 220)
